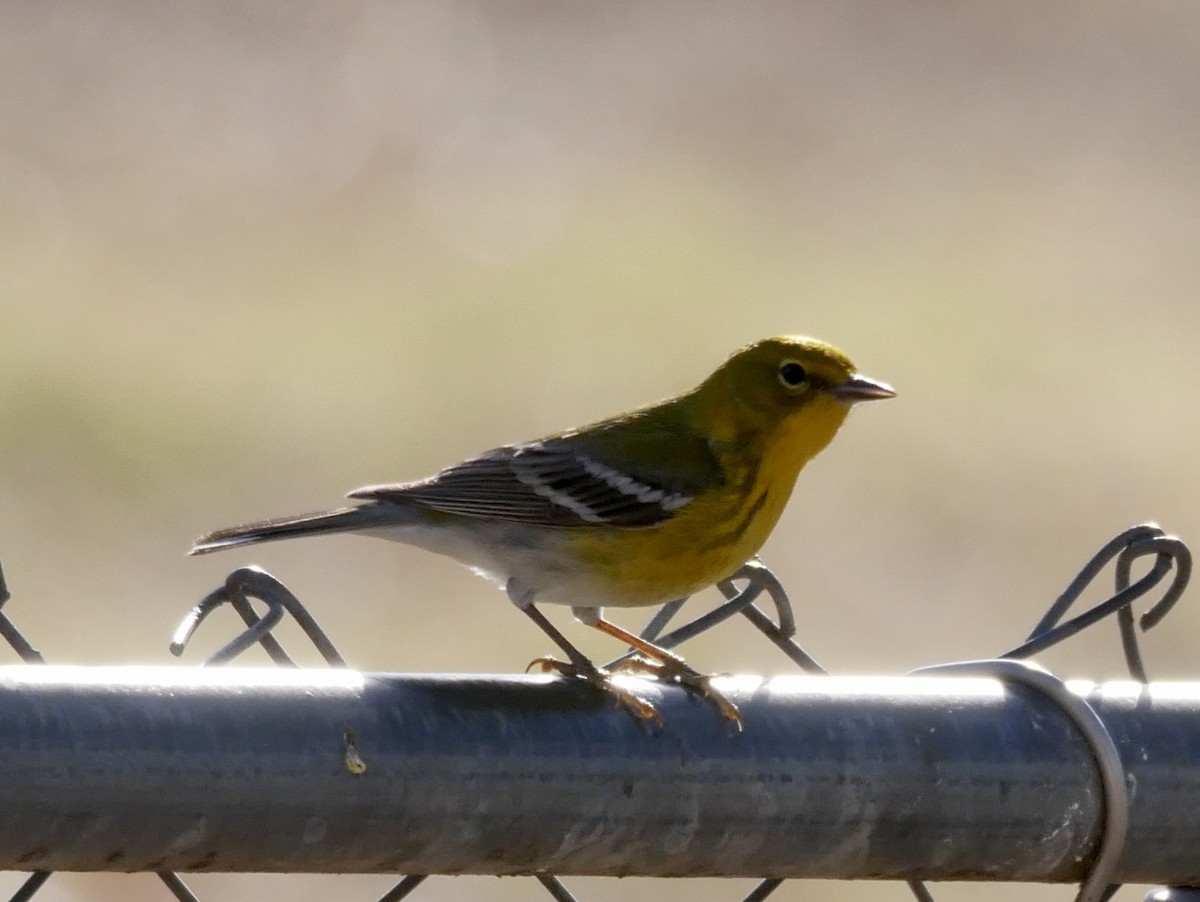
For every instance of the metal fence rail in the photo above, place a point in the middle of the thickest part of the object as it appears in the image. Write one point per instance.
(986, 770)
(267, 770)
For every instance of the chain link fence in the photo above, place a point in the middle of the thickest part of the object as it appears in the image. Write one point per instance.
(974, 770)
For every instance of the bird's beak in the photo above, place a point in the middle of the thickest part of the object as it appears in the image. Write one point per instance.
(860, 388)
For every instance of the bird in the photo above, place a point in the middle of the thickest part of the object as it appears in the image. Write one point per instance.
(638, 509)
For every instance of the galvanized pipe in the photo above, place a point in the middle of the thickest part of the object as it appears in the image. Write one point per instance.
(226, 769)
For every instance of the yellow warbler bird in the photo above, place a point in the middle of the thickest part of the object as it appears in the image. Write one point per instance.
(634, 510)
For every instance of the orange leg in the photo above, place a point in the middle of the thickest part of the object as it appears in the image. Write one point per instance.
(580, 666)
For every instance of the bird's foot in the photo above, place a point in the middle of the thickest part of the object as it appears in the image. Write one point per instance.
(603, 680)
(675, 668)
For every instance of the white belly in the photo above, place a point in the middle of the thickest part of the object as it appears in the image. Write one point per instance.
(537, 558)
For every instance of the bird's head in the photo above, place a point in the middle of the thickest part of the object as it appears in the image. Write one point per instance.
(801, 385)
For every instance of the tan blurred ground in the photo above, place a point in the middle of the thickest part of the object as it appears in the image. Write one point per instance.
(254, 255)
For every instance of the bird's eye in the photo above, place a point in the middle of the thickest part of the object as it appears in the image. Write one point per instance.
(792, 374)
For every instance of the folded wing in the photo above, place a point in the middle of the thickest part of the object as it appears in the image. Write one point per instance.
(556, 483)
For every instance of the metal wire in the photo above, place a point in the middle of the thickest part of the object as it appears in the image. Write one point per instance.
(178, 888)
(763, 889)
(1100, 743)
(758, 579)
(35, 882)
(11, 634)
(403, 888)
(1182, 558)
(554, 887)
(1170, 555)
(919, 890)
(240, 586)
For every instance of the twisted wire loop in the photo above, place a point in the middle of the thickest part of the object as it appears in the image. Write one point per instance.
(759, 579)
(1170, 554)
(240, 587)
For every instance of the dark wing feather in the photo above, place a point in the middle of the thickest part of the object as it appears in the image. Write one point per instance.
(553, 483)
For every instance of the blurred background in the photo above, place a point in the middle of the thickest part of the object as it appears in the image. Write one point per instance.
(255, 255)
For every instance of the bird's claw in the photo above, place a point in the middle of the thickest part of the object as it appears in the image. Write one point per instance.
(601, 679)
(702, 683)
(688, 677)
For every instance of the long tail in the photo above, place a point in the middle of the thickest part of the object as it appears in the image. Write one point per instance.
(345, 519)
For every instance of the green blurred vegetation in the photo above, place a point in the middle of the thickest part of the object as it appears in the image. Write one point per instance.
(255, 255)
